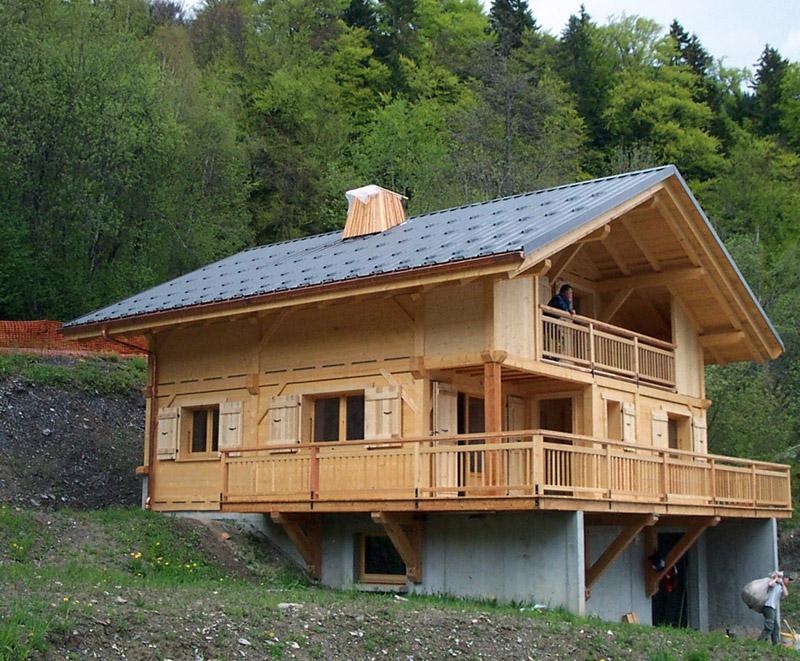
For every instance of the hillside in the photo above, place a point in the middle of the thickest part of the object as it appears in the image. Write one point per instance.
(83, 578)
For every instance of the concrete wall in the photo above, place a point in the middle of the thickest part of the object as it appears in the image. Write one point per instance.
(621, 588)
(529, 557)
(538, 558)
(737, 551)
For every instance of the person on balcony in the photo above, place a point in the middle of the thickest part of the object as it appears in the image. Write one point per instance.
(777, 590)
(563, 299)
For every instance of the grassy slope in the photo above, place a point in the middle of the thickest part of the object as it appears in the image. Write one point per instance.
(156, 587)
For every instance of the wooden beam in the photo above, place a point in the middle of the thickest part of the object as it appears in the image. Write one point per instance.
(561, 262)
(308, 542)
(690, 315)
(723, 338)
(644, 280)
(616, 255)
(649, 255)
(653, 578)
(600, 234)
(275, 323)
(617, 547)
(615, 304)
(532, 267)
(407, 398)
(406, 536)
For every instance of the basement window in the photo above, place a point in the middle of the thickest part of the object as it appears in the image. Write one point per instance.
(379, 561)
(203, 429)
(339, 418)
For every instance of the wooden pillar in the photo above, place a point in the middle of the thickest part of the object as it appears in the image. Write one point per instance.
(493, 423)
(492, 397)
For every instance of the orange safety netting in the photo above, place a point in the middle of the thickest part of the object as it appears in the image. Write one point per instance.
(44, 335)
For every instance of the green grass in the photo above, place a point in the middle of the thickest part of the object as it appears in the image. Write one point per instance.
(108, 374)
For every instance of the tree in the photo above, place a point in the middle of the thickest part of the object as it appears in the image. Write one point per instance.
(587, 67)
(510, 20)
(768, 81)
(789, 106)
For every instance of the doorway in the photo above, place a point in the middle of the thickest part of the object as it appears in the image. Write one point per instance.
(556, 414)
(670, 603)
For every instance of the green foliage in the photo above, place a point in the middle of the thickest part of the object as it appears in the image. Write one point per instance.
(103, 375)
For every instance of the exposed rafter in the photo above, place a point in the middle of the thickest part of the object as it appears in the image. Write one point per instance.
(649, 255)
(608, 312)
(616, 255)
(644, 280)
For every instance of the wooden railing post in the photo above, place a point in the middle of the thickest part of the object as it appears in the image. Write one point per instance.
(314, 477)
(754, 484)
(609, 472)
(416, 470)
(713, 485)
(664, 477)
(591, 346)
(636, 357)
(537, 465)
(225, 468)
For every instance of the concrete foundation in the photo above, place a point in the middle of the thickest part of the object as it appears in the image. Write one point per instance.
(738, 551)
(538, 558)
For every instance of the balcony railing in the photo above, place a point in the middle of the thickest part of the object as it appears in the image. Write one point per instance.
(502, 466)
(601, 347)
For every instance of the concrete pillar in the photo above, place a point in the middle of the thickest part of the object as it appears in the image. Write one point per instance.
(737, 551)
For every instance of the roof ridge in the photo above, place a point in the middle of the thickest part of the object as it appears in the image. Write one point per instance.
(540, 191)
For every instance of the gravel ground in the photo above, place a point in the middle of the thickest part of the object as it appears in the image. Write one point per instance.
(66, 447)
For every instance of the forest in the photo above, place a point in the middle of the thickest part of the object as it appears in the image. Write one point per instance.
(139, 141)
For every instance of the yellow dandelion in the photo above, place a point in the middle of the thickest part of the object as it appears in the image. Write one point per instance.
(271, 634)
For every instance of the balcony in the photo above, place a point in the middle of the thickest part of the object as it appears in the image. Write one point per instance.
(510, 470)
(589, 344)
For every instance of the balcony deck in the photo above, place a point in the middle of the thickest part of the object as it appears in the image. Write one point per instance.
(591, 344)
(533, 469)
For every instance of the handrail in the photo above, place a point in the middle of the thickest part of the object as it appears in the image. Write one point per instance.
(616, 330)
(511, 464)
(627, 447)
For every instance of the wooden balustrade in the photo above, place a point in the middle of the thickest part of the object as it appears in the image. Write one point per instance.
(586, 342)
(509, 464)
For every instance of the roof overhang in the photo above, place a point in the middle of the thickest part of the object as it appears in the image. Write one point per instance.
(397, 281)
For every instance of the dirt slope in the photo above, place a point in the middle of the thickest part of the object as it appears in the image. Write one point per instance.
(68, 447)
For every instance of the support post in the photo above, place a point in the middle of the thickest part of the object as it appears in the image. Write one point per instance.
(493, 421)
(617, 547)
(308, 542)
(653, 578)
(406, 535)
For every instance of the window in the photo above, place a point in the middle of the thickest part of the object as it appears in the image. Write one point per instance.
(339, 418)
(379, 561)
(204, 429)
(679, 432)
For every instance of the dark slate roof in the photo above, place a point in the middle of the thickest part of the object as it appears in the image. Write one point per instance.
(524, 223)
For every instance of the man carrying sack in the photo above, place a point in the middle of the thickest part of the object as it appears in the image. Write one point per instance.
(776, 591)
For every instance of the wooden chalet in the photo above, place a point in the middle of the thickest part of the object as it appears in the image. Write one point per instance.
(401, 408)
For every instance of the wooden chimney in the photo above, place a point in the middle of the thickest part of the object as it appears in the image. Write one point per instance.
(372, 209)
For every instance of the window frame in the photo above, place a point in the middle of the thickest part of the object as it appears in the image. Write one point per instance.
(212, 422)
(342, 422)
(377, 579)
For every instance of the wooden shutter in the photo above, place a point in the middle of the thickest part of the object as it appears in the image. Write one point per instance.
(284, 420)
(515, 413)
(230, 425)
(699, 435)
(660, 427)
(382, 413)
(628, 423)
(167, 442)
(445, 423)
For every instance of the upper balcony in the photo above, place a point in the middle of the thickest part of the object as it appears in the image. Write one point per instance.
(588, 344)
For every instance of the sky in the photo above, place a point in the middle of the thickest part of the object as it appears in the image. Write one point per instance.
(732, 30)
